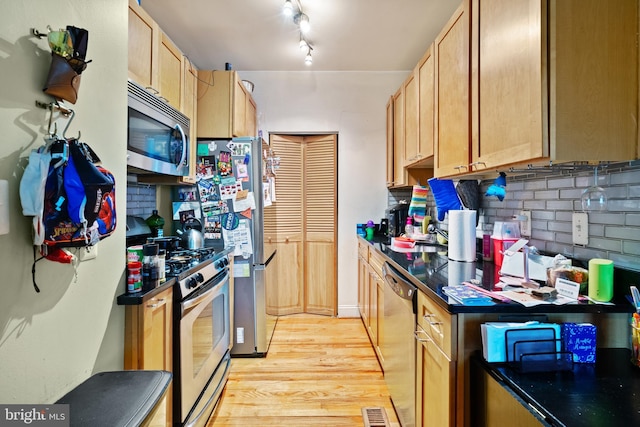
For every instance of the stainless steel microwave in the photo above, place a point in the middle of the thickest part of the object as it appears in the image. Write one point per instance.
(157, 134)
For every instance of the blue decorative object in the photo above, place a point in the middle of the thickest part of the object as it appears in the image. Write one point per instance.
(498, 188)
(580, 339)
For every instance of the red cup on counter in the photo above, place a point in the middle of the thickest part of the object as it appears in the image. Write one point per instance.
(499, 246)
(134, 276)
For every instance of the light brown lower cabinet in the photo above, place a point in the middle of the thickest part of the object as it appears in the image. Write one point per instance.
(497, 407)
(371, 295)
(435, 385)
(149, 344)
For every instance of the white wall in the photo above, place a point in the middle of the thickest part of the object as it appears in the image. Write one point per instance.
(352, 104)
(52, 341)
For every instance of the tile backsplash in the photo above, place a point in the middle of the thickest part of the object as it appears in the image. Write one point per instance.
(553, 197)
(141, 199)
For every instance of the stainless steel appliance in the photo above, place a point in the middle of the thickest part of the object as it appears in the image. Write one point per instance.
(158, 135)
(201, 332)
(399, 345)
(240, 160)
(397, 218)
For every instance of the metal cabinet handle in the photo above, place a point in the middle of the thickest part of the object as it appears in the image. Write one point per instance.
(476, 164)
(158, 301)
(419, 332)
(152, 89)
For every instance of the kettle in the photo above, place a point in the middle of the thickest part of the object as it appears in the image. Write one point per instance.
(191, 235)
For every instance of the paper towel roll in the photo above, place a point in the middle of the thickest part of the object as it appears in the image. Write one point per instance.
(601, 279)
(462, 235)
(4, 206)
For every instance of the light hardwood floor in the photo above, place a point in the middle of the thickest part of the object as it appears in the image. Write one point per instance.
(319, 371)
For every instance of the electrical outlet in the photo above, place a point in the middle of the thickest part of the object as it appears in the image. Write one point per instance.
(525, 223)
(580, 228)
(88, 252)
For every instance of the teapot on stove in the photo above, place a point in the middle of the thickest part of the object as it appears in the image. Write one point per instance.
(191, 234)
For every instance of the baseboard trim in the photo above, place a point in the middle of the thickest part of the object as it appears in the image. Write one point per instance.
(348, 311)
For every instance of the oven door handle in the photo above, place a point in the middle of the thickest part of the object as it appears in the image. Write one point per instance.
(190, 303)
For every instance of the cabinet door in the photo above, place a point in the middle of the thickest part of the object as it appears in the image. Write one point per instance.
(509, 72)
(239, 109)
(170, 72)
(435, 385)
(157, 332)
(362, 284)
(398, 139)
(189, 108)
(390, 154)
(372, 323)
(452, 94)
(380, 319)
(144, 36)
(286, 297)
(250, 116)
(411, 118)
(426, 104)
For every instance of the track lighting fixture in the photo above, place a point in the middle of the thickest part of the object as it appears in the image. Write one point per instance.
(301, 19)
(287, 9)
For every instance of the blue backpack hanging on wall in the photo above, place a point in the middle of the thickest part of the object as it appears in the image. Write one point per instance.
(79, 201)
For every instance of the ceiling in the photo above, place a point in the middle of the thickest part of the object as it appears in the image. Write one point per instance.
(346, 35)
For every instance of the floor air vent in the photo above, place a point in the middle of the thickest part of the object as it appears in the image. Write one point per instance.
(375, 417)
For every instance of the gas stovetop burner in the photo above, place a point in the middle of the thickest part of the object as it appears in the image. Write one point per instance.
(182, 260)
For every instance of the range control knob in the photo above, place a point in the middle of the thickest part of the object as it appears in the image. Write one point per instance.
(191, 283)
(222, 263)
(199, 277)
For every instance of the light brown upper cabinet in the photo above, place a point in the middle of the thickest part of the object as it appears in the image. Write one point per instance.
(451, 51)
(225, 108)
(411, 113)
(552, 82)
(154, 61)
(390, 166)
(425, 71)
(144, 35)
(171, 76)
(399, 176)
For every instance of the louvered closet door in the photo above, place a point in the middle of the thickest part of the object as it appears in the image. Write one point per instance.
(283, 229)
(320, 224)
(301, 226)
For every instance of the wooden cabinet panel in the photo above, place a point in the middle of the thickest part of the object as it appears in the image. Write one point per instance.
(171, 76)
(285, 296)
(531, 105)
(390, 146)
(380, 320)
(426, 100)
(452, 94)
(435, 385)
(398, 139)
(225, 108)
(149, 343)
(438, 323)
(143, 46)
(411, 118)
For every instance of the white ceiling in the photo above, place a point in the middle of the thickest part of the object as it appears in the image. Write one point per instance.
(347, 35)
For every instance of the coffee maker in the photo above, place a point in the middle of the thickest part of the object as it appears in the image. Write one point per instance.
(397, 218)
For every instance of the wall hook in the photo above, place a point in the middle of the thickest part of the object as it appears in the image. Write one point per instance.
(40, 35)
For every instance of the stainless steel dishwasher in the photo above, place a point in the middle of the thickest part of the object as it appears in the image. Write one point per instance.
(399, 344)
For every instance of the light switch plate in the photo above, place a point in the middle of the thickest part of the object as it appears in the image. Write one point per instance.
(525, 223)
(580, 228)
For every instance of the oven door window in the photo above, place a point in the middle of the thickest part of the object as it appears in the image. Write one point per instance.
(208, 332)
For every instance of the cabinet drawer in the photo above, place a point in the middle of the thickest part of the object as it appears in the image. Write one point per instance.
(437, 323)
(376, 261)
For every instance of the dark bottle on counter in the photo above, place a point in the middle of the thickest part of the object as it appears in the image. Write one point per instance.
(150, 270)
(155, 223)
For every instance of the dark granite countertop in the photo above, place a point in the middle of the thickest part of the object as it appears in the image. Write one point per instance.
(606, 393)
(431, 271)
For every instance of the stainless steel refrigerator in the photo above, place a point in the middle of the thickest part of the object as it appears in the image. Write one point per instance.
(233, 204)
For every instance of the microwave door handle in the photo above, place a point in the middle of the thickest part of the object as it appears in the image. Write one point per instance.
(184, 147)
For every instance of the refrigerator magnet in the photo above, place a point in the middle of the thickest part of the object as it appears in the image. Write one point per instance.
(230, 221)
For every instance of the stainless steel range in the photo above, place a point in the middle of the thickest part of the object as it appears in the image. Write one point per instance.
(201, 332)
